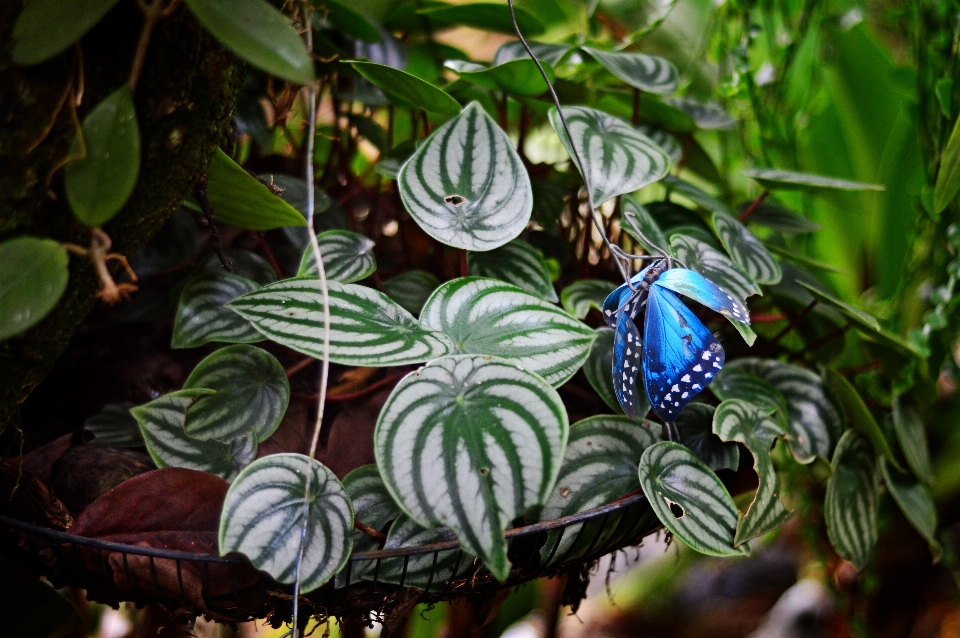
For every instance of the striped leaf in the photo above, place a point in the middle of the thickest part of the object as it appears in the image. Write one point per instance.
(549, 53)
(201, 316)
(374, 507)
(645, 222)
(649, 73)
(712, 264)
(517, 263)
(860, 416)
(418, 570)
(747, 251)
(851, 504)
(485, 316)
(707, 116)
(471, 442)
(263, 518)
(411, 289)
(519, 77)
(815, 418)
(695, 426)
(619, 158)
(664, 140)
(737, 420)
(245, 264)
(366, 327)
(916, 503)
(912, 437)
(775, 179)
(696, 194)
(583, 294)
(252, 393)
(347, 257)
(466, 186)
(735, 383)
(114, 426)
(162, 425)
(689, 499)
(599, 466)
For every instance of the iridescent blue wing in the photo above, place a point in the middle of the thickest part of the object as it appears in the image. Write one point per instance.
(616, 299)
(680, 356)
(702, 290)
(626, 364)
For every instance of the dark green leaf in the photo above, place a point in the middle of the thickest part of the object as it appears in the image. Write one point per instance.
(803, 260)
(912, 437)
(695, 425)
(517, 263)
(34, 608)
(388, 50)
(860, 416)
(948, 177)
(851, 504)
(483, 15)
(239, 199)
(295, 194)
(649, 73)
(246, 264)
(341, 17)
(371, 131)
(201, 316)
(517, 77)
(915, 502)
(780, 219)
(407, 91)
(645, 222)
(583, 294)
(47, 27)
(774, 179)
(411, 289)
(33, 276)
(114, 426)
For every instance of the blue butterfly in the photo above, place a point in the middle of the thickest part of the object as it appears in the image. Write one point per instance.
(680, 357)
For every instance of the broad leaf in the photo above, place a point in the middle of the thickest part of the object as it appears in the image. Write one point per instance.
(341, 17)
(545, 52)
(246, 264)
(466, 186)
(860, 416)
(372, 505)
(775, 179)
(912, 437)
(263, 518)
(689, 499)
(517, 263)
(486, 16)
(238, 199)
(114, 426)
(916, 503)
(347, 257)
(948, 177)
(33, 276)
(517, 77)
(411, 289)
(695, 426)
(709, 117)
(100, 182)
(583, 294)
(664, 140)
(366, 327)
(649, 73)
(201, 316)
(405, 90)
(737, 420)
(851, 505)
(618, 158)
(747, 251)
(712, 264)
(696, 195)
(780, 219)
(258, 33)
(417, 570)
(47, 27)
(598, 367)
(485, 316)
(737, 383)
(645, 222)
(471, 442)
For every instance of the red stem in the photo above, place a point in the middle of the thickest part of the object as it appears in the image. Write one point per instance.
(349, 396)
(300, 365)
(752, 207)
(369, 531)
(269, 253)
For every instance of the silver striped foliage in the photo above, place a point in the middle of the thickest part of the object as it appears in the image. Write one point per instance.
(246, 264)
(645, 222)
(161, 423)
(619, 158)
(583, 294)
(916, 503)
(519, 77)
(366, 327)
(910, 432)
(471, 442)
(649, 73)
(252, 394)
(347, 257)
(201, 316)
(776, 179)
(373, 506)
(411, 289)
(707, 116)
(712, 264)
(695, 427)
(689, 499)
(415, 570)
(736, 383)
(263, 518)
(597, 369)
(466, 186)
(549, 53)
(850, 508)
(114, 426)
(815, 418)
(737, 420)
(517, 263)
(664, 140)
(486, 316)
(599, 466)
(747, 251)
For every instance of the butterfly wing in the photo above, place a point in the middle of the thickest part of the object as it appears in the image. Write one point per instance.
(702, 290)
(680, 356)
(616, 299)
(626, 364)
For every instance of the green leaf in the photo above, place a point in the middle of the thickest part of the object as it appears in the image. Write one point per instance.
(485, 316)
(201, 316)
(162, 425)
(696, 195)
(517, 77)
(916, 503)
(347, 257)
(712, 264)
(342, 18)
(372, 505)
(948, 177)
(263, 518)
(664, 140)
(252, 393)
(695, 426)
(486, 16)
(417, 570)
(649, 73)
(100, 183)
(851, 505)
(912, 437)
(114, 426)
(689, 499)
(583, 294)
(599, 371)
(644, 221)
(747, 251)
(366, 327)
(295, 193)
(411, 289)
(405, 90)
(737, 383)
(859, 318)
(775, 179)
(545, 52)
(466, 186)
(246, 264)
(619, 158)
(47, 27)
(388, 50)
(257, 33)
(781, 219)
(708, 117)
(33, 276)
(471, 442)
(803, 260)
(860, 416)
(517, 263)
(238, 199)
(737, 420)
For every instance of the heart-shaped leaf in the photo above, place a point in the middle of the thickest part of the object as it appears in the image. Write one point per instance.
(372, 504)
(689, 499)
(487, 16)
(47, 27)
(471, 442)
(707, 116)
(618, 158)
(485, 316)
(162, 425)
(101, 181)
(712, 264)
(912, 437)
(201, 316)
(517, 77)
(747, 251)
(695, 426)
(263, 518)
(860, 416)
(545, 52)
(737, 420)
(737, 383)
(517, 263)
(583, 294)
(776, 179)
(466, 186)
(114, 426)
(645, 222)
(851, 505)
(33, 276)
(916, 503)
(664, 140)
(366, 327)
(649, 73)
(411, 289)
(347, 257)
(417, 570)
(405, 90)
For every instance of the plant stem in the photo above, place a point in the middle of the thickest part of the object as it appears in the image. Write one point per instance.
(754, 206)
(200, 194)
